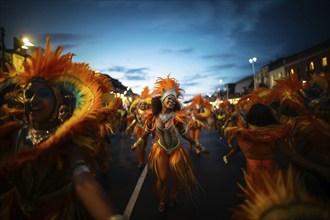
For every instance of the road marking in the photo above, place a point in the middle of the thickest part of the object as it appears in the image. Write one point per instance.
(131, 203)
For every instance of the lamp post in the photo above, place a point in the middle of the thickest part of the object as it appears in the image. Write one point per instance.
(220, 82)
(252, 61)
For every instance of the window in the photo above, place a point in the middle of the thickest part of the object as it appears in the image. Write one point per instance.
(324, 62)
(311, 66)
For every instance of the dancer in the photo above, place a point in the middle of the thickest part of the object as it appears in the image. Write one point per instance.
(201, 110)
(46, 159)
(259, 135)
(143, 103)
(168, 153)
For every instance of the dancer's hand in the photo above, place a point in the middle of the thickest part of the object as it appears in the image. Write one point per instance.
(136, 144)
(225, 159)
(201, 149)
(127, 130)
(133, 147)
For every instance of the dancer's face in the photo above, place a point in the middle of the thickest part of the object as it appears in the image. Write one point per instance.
(143, 105)
(39, 102)
(64, 113)
(169, 102)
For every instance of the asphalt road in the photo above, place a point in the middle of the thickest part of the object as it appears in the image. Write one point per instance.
(135, 196)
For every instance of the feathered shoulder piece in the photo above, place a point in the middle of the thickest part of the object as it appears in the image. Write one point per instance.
(266, 134)
(167, 85)
(181, 117)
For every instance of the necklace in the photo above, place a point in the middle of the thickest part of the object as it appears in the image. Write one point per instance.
(166, 117)
(37, 136)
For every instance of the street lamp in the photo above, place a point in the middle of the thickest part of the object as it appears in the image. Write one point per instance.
(26, 43)
(252, 61)
(220, 82)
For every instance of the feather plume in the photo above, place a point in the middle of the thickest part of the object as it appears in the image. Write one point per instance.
(145, 93)
(199, 100)
(48, 65)
(285, 198)
(165, 84)
(287, 91)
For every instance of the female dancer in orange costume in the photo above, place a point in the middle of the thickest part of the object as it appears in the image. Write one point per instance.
(201, 110)
(168, 153)
(259, 135)
(138, 123)
(46, 161)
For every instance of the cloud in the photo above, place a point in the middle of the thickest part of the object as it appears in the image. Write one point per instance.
(224, 56)
(117, 69)
(130, 74)
(136, 73)
(188, 84)
(179, 51)
(223, 67)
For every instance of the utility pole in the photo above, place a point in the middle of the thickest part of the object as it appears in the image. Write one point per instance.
(3, 49)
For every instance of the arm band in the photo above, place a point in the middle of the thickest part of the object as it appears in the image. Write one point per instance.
(80, 167)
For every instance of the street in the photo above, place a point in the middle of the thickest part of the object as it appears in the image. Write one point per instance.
(132, 191)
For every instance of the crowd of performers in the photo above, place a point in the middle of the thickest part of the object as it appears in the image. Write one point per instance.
(58, 116)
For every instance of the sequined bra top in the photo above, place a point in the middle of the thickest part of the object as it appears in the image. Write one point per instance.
(168, 139)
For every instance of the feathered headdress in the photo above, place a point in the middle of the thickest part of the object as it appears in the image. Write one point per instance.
(167, 86)
(76, 78)
(259, 95)
(287, 91)
(206, 105)
(145, 96)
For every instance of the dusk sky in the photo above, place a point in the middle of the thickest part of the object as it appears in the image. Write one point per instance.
(198, 42)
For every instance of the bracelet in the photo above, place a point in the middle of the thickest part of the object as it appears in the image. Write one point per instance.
(81, 169)
(138, 142)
